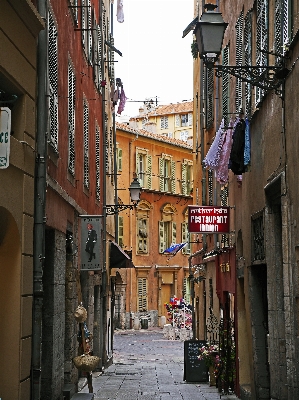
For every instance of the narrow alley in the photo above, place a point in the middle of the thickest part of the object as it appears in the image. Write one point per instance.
(148, 367)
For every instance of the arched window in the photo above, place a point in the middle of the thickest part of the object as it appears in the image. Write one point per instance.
(142, 228)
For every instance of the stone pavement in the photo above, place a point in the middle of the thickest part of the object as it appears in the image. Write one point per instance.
(148, 367)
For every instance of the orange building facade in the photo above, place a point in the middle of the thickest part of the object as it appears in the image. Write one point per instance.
(164, 168)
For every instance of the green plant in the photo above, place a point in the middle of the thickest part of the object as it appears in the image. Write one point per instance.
(208, 354)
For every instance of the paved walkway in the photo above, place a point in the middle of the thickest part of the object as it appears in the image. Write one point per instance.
(148, 367)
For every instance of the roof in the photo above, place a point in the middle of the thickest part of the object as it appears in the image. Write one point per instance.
(154, 136)
(178, 108)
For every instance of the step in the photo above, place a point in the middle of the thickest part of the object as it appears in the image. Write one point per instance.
(83, 396)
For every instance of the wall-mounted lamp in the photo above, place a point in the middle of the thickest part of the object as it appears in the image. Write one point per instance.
(135, 190)
(209, 32)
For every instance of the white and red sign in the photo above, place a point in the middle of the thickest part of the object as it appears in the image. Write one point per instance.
(208, 219)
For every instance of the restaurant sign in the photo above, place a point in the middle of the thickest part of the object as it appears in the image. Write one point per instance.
(208, 219)
(5, 122)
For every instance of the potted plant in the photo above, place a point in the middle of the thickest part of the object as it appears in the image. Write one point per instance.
(209, 353)
(194, 49)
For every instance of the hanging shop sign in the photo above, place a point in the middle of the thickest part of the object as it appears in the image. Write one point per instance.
(5, 123)
(91, 242)
(208, 219)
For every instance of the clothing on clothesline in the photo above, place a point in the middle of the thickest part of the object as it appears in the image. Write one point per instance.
(247, 148)
(122, 101)
(236, 162)
(120, 11)
(221, 171)
(212, 158)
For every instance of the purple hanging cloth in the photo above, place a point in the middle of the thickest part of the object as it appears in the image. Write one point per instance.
(222, 170)
(122, 101)
(212, 158)
(120, 11)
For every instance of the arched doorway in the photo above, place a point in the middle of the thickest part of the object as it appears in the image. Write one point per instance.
(10, 282)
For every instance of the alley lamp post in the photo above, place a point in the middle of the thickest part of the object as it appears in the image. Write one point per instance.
(209, 32)
(135, 190)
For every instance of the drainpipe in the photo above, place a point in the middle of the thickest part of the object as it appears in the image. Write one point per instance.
(39, 203)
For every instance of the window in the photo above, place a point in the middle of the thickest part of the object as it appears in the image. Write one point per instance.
(121, 231)
(167, 181)
(183, 120)
(187, 177)
(184, 135)
(185, 238)
(74, 8)
(86, 143)
(87, 37)
(53, 80)
(164, 122)
(71, 118)
(144, 168)
(142, 294)
(142, 235)
(282, 27)
(224, 202)
(167, 228)
(257, 236)
(98, 167)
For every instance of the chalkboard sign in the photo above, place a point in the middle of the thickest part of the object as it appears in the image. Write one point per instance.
(195, 370)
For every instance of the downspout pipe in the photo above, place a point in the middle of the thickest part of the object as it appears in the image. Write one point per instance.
(39, 203)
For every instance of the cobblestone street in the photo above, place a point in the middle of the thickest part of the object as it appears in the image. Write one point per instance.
(148, 367)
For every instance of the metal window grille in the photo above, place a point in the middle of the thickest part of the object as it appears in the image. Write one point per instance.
(248, 58)
(71, 118)
(74, 9)
(282, 27)
(210, 184)
(89, 33)
(98, 181)
(262, 34)
(210, 98)
(258, 240)
(224, 203)
(239, 59)
(53, 81)
(225, 86)
(86, 143)
(98, 59)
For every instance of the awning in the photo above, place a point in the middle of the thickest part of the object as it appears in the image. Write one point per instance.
(118, 258)
(190, 27)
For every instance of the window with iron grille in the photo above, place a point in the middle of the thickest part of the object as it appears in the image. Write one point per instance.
(167, 182)
(142, 294)
(248, 58)
(224, 203)
(164, 122)
(86, 143)
(53, 80)
(74, 8)
(210, 98)
(282, 27)
(225, 86)
(262, 34)
(258, 240)
(97, 57)
(71, 117)
(239, 59)
(98, 167)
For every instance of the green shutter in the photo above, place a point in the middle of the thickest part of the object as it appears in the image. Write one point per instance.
(162, 245)
(185, 238)
(119, 159)
(173, 233)
(149, 171)
(173, 181)
(121, 231)
(142, 294)
(161, 174)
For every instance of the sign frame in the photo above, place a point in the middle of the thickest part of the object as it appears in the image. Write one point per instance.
(209, 219)
(5, 128)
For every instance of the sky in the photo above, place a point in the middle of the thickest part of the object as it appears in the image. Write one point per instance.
(156, 61)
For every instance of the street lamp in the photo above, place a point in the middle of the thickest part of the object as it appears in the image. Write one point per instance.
(135, 190)
(209, 32)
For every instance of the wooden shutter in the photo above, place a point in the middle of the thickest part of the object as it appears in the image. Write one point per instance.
(173, 233)
(184, 178)
(86, 143)
(185, 238)
(173, 180)
(162, 244)
(239, 59)
(71, 119)
(161, 174)
(190, 119)
(142, 294)
(149, 171)
(248, 58)
(225, 86)
(178, 120)
(261, 42)
(98, 166)
(121, 231)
